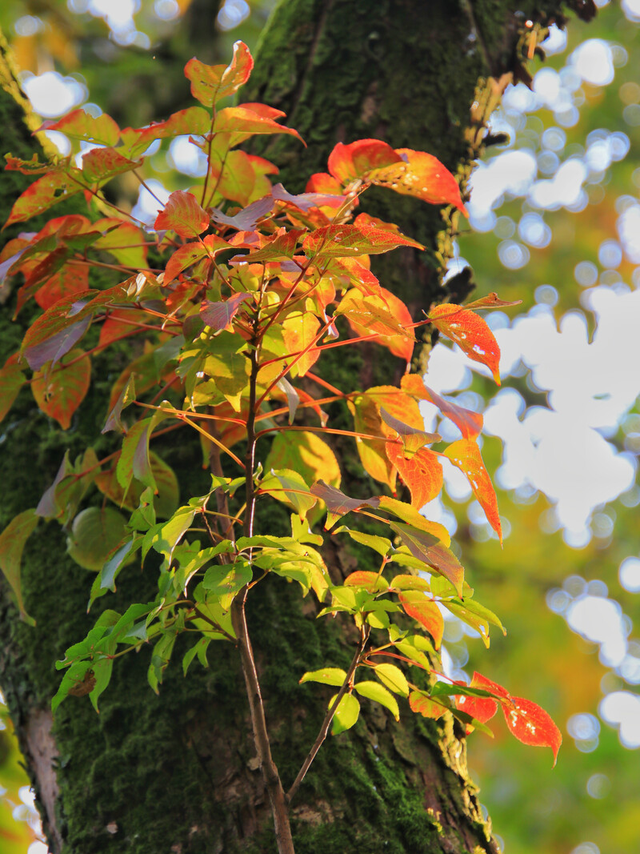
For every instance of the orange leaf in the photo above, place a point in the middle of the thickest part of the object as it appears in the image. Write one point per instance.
(299, 330)
(425, 706)
(399, 345)
(101, 164)
(422, 472)
(371, 581)
(347, 163)
(210, 83)
(469, 423)
(60, 392)
(244, 120)
(421, 175)
(187, 255)
(183, 214)
(470, 333)
(344, 240)
(52, 188)
(117, 326)
(82, 125)
(72, 279)
(193, 120)
(465, 454)
(532, 725)
(416, 605)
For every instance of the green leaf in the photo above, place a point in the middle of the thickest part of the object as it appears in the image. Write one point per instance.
(160, 658)
(289, 487)
(382, 545)
(95, 533)
(12, 542)
(226, 581)
(199, 649)
(393, 678)
(346, 714)
(327, 676)
(11, 381)
(102, 673)
(74, 681)
(375, 691)
(106, 578)
(164, 538)
(127, 396)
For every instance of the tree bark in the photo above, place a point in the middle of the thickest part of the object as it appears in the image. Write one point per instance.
(178, 772)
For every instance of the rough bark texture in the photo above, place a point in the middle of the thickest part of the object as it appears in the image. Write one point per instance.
(176, 773)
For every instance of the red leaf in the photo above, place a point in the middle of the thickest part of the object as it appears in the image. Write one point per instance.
(470, 333)
(400, 345)
(491, 301)
(11, 381)
(465, 454)
(218, 315)
(116, 325)
(101, 164)
(52, 188)
(371, 581)
(347, 163)
(417, 606)
(210, 83)
(72, 279)
(245, 121)
(340, 241)
(183, 214)
(193, 120)
(59, 392)
(422, 472)
(423, 176)
(469, 423)
(425, 706)
(532, 725)
(190, 253)
(82, 125)
(480, 708)
(480, 681)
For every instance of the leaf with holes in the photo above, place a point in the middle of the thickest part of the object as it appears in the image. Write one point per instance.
(60, 391)
(470, 332)
(465, 454)
(532, 725)
(421, 175)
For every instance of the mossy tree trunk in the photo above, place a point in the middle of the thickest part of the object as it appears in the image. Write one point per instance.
(176, 772)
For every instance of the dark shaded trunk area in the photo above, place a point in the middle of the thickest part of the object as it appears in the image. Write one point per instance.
(176, 772)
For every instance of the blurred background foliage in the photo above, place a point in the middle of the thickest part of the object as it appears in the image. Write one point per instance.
(555, 221)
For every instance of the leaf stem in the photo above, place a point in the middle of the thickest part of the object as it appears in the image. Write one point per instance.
(326, 723)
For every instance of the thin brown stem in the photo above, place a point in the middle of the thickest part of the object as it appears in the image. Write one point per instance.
(326, 723)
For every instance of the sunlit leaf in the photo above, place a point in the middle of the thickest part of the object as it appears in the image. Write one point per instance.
(218, 315)
(422, 472)
(470, 332)
(80, 124)
(346, 714)
(391, 676)
(347, 163)
(182, 213)
(428, 549)
(469, 423)
(350, 240)
(532, 725)
(189, 254)
(465, 454)
(422, 704)
(425, 611)
(376, 692)
(47, 191)
(421, 175)
(371, 581)
(327, 676)
(211, 83)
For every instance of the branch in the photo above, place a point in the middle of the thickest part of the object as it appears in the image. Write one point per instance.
(326, 723)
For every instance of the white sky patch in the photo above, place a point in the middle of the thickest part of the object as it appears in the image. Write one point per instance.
(593, 60)
(53, 95)
(622, 708)
(147, 207)
(628, 226)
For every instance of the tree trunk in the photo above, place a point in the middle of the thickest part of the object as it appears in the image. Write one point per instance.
(177, 772)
